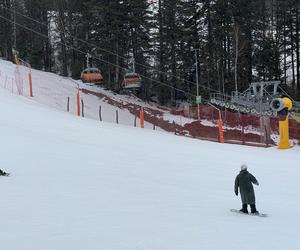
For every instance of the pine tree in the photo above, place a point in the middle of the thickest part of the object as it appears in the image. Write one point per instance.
(6, 27)
(35, 43)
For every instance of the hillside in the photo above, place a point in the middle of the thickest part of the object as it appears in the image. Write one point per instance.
(80, 184)
(54, 91)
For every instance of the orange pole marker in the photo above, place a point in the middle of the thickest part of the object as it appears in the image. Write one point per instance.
(221, 135)
(30, 85)
(78, 103)
(142, 121)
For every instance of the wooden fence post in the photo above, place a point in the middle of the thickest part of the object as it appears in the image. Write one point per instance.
(68, 104)
(174, 127)
(100, 115)
(117, 117)
(82, 108)
(243, 131)
(135, 117)
(78, 103)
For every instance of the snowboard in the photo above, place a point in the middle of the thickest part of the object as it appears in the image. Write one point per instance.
(5, 174)
(239, 212)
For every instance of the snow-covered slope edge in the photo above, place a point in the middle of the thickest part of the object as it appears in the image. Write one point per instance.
(54, 90)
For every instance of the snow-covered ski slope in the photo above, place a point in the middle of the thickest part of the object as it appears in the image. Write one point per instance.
(81, 184)
(53, 90)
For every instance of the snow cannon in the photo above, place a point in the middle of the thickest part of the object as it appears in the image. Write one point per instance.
(282, 106)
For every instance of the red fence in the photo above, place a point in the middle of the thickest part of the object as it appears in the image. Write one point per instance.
(238, 128)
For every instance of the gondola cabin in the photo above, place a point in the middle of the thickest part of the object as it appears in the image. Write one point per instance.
(92, 75)
(132, 81)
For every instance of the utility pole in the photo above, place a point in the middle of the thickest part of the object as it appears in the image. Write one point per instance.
(197, 80)
(236, 57)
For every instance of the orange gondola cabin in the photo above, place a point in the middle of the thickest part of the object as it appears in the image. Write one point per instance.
(92, 75)
(132, 81)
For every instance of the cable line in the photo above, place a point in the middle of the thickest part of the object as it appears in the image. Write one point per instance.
(115, 54)
(99, 59)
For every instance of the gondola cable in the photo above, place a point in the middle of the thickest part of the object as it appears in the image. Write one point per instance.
(112, 53)
(97, 58)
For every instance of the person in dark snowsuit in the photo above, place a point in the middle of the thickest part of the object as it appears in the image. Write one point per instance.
(244, 181)
(3, 173)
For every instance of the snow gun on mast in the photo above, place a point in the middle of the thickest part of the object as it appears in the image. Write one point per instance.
(283, 106)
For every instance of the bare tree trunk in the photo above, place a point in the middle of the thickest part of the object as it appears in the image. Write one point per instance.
(292, 53)
(284, 47)
(62, 33)
(229, 74)
(6, 32)
(47, 47)
(236, 31)
(162, 93)
(210, 52)
(117, 65)
(173, 69)
(297, 48)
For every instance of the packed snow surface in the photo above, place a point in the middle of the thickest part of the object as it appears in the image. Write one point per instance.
(81, 184)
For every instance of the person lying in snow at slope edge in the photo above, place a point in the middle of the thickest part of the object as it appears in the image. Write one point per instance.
(244, 181)
(3, 173)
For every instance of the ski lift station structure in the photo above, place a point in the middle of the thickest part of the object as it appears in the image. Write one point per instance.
(256, 99)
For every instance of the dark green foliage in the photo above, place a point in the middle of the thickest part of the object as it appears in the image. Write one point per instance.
(266, 60)
(237, 41)
(6, 29)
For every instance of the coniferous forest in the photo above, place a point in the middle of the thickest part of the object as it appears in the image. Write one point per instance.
(226, 44)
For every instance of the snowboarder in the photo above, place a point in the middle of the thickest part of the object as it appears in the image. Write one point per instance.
(3, 173)
(244, 181)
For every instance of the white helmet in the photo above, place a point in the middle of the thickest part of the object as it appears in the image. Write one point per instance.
(244, 167)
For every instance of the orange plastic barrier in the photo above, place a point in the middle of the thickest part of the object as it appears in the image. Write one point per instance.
(30, 84)
(221, 135)
(142, 122)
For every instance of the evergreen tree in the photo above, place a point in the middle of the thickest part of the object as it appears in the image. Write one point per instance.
(6, 27)
(236, 41)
